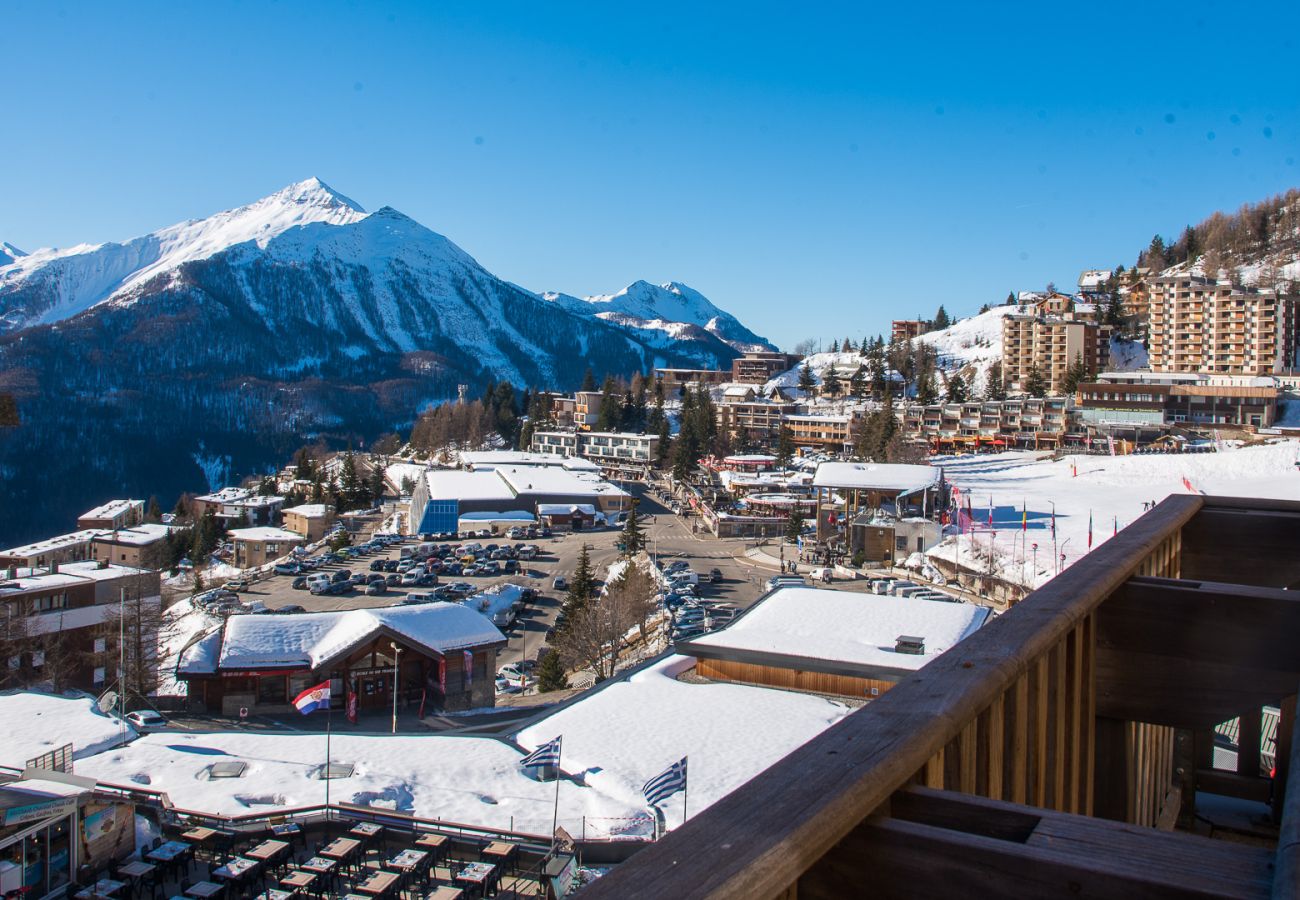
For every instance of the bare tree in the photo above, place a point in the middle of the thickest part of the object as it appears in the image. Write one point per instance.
(137, 621)
(593, 636)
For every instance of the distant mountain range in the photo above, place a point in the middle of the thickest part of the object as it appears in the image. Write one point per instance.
(219, 344)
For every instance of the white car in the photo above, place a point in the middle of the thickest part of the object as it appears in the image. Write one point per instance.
(145, 719)
(510, 671)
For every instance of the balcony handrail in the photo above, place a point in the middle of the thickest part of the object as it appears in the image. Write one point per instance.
(759, 839)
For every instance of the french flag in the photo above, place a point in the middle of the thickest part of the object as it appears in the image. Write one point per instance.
(313, 698)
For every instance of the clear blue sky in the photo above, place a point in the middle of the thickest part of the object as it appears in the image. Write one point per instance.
(817, 170)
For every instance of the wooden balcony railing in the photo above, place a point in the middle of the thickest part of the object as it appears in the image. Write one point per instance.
(1054, 752)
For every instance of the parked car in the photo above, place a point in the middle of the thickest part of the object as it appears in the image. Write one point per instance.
(511, 671)
(410, 579)
(393, 580)
(375, 588)
(341, 575)
(237, 584)
(146, 720)
(300, 583)
(290, 609)
(560, 583)
(287, 568)
(715, 575)
(376, 565)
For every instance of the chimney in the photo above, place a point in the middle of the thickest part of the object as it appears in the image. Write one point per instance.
(54, 568)
(910, 644)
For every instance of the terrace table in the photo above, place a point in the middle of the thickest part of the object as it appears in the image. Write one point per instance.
(235, 868)
(136, 869)
(276, 894)
(341, 849)
(268, 851)
(434, 843)
(204, 890)
(378, 884)
(476, 876)
(319, 865)
(445, 892)
(199, 834)
(104, 888)
(501, 852)
(299, 880)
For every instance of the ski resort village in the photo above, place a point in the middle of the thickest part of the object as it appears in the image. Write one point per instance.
(999, 589)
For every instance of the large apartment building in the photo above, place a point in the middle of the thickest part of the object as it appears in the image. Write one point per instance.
(1050, 338)
(828, 433)
(903, 330)
(617, 452)
(1123, 401)
(755, 421)
(1216, 327)
(759, 367)
(1031, 422)
(67, 606)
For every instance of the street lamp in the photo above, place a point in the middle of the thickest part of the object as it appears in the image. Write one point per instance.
(397, 655)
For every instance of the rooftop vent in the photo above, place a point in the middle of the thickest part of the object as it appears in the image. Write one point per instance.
(233, 769)
(335, 770)
(908, 643)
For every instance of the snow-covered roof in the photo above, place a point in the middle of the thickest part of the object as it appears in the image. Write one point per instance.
(35, 580)
(486, 459)
(305, 640)
(532, 480)
(57, 542)
(847, 627)
(509, 515)
(263, 533)
(112, 509)
(225, 495)
(48, 722)
(137, 535)
(454, 484)
(309, 510)
(564, 509)
(622, 734)
(906, 479)
(98, 571)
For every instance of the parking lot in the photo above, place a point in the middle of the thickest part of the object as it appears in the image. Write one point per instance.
(669, 537)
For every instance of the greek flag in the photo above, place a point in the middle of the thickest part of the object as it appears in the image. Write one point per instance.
(546, 755)
(666, 783)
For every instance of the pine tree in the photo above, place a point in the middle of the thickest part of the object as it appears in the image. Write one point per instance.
(831, 384)
(633, 538)
(807, 383)
(153, 512)
(582, 587)
(957, 389)
(1035, 384)
(784, 445)
(794, 526)
(1076, 373)
(551, 675)
(349, 483)
(665, 448)
(994, 389)
(941, 319)
(588, 380)
(1011, 298)
(926, 392)
(835, 347)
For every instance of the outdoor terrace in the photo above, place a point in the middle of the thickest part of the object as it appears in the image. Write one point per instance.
(1067, 748)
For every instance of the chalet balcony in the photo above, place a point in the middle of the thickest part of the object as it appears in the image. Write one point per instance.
(1073, 747)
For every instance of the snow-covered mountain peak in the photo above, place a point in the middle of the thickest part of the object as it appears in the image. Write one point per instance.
(9, 253)
(313, 192)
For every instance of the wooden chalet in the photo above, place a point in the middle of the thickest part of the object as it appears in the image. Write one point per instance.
(438, 656)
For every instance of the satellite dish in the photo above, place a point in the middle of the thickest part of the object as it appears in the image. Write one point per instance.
(108, 701)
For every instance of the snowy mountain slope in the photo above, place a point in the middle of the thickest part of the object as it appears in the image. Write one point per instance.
(52, 284)
(238, 336)
(658, 306)
(9, 253)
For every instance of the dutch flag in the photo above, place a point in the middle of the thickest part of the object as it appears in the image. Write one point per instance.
(313, 698)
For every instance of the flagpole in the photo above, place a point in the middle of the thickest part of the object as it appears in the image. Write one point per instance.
(555, 816)
(329, 722)
(685, 786)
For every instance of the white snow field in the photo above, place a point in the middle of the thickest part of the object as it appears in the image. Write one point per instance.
(614, 740)
(1112, 489)
(40, 723)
